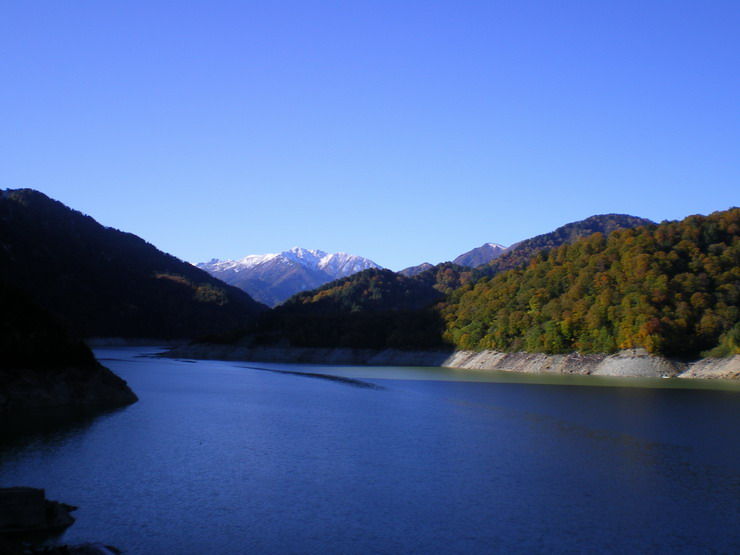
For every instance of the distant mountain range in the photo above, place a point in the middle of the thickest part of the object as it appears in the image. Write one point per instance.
(598, 285)
(101, 282)
(274, 278)
(381, 309)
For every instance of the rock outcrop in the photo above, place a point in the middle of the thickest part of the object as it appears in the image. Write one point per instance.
(627, 363)
(714, 368)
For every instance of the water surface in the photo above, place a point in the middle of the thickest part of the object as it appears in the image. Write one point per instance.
(222, 457)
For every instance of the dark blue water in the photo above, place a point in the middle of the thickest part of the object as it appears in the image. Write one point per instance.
(218, 458)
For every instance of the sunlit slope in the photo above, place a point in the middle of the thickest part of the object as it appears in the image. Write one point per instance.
(672, 288)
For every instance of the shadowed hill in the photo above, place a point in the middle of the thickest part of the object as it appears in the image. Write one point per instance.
(99, 281)
(370, 309)
(42, 366)
(369, 290)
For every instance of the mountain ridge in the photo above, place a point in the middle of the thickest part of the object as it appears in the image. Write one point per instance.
(376, 309)
(519, 253)
(480, 255)
(671, 289)
(275, 277)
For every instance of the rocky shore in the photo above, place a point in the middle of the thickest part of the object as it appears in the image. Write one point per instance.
(626, 363)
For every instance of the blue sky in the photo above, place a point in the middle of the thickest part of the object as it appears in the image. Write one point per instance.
(401, 131)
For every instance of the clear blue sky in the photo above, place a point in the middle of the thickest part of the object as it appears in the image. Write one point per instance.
(401, 131)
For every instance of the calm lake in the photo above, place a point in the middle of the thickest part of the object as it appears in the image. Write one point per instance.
(221, 457)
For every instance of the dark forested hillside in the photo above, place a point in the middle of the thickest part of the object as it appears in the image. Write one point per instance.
(672, 288)
(371, 309)
(100, 281)
(31, 338)
(43, 366)
(369, 290)
(519, 254)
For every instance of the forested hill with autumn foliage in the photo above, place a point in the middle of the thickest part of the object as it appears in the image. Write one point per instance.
(672, 288)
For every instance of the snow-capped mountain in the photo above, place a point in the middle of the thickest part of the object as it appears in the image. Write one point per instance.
(480, 255)
(274, 278)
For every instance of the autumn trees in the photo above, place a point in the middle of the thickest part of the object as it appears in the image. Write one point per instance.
(672, 288)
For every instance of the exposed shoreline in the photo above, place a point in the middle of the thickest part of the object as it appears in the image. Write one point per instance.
(626, 363)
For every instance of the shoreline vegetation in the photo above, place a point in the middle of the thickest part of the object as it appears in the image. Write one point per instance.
(636, 363)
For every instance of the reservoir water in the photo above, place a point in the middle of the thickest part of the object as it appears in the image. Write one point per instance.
(222, 457)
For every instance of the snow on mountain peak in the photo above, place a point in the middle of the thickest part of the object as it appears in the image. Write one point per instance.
(341, 264)
(336, 265)
(305, 257)
(272, 278)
